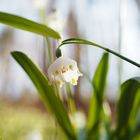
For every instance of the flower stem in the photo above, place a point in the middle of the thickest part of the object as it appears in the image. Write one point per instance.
(49, 51)
(86, 42)
(71, 103)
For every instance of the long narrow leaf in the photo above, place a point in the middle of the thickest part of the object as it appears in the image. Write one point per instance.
(96, 103)
(28, 25)
(46, 92)
(86, 42)
(127, 108)
(136, 130)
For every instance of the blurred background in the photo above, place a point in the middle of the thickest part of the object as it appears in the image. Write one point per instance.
(113, 24)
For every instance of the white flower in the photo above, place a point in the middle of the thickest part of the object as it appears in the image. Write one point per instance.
(64, 70)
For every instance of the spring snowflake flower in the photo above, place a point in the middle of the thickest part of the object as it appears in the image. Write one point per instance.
(64, 70)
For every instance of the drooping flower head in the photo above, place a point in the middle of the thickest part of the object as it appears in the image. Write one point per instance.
(64, 70)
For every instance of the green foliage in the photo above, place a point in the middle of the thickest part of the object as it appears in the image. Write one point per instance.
(135, 133)
(46, 92)
(128, 104)
(127, 109)
(27, 25)
(96, 103)
(127, 125)
(86, 42)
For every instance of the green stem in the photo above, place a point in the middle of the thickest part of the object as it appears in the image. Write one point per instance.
(124, 58)
(49, 50)
(71, 103)
(85, 42)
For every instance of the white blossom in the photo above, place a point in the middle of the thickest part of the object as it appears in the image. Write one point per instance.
(64, 70)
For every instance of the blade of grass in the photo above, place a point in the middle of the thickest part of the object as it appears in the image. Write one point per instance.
(96, 102)
(127, 108)
(46, 92)
(28, 25)
(86, 42)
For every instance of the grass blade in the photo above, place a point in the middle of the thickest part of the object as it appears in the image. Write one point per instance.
(96, 103)
(28, 25)
(46, 92)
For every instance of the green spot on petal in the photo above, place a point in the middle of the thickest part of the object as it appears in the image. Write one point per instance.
(59, 82)
(64, 70)
(73, 81)
(70, 66)
(56, 72)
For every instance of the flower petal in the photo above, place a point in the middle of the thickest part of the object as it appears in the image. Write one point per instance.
(64, 70)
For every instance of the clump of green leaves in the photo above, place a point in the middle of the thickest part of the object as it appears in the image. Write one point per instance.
(98, 125)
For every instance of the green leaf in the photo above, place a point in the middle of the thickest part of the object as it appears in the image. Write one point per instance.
(86, 42)
(135, 133)
(127, 107)
(28, 25)
(96, 103)
(46, 92)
